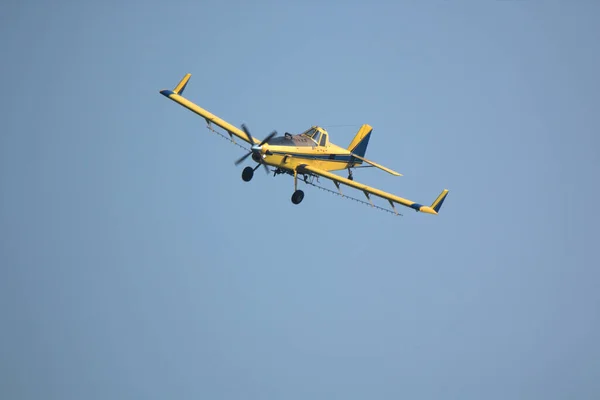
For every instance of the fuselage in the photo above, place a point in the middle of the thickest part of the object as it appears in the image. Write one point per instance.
(310, 147)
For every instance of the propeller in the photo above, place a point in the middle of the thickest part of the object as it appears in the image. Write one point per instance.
(255, 149)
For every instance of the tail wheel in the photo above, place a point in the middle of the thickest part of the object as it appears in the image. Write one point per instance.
(297, 196)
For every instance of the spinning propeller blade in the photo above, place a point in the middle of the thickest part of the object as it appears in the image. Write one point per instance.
(242, 158)
(245, 129)
(265, 140)
(255, 148)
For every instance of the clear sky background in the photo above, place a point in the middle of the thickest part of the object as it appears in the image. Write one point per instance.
(135, 262)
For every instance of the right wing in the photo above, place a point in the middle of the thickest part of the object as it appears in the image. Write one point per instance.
(433, 209)
(176, 96)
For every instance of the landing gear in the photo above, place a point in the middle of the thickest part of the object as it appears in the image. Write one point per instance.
(350, 177)
(297, 197)
(298, 194)
(247, 174)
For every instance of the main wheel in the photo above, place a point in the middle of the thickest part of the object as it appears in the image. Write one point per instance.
(247, 174)
(297, 196)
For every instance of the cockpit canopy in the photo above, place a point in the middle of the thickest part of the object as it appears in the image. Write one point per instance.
(317, 134)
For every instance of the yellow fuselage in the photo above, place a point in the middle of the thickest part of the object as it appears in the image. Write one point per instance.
(290, 151)
(329, 158)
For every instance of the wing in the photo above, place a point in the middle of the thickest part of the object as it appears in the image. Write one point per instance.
(176, 96)
(433, 209)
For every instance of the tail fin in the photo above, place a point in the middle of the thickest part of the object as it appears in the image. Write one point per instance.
(360, 142)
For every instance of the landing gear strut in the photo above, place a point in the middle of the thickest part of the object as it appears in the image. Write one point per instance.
(350, 177)
(298, 194)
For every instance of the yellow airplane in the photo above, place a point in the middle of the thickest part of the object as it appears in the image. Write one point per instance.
(309, 154)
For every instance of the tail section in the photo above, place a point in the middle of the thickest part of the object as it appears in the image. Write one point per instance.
(360, 142)
(358, 148)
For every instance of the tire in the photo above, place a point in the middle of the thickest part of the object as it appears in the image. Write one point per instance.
(247, 174)
(297, 197)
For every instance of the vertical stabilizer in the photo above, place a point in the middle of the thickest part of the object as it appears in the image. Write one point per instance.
(360, 142)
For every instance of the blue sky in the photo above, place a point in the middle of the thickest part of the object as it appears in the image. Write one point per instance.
(137, 264)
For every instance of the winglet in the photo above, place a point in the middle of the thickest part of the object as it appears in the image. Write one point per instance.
(181, 86)
(437, 204)
(435, 207)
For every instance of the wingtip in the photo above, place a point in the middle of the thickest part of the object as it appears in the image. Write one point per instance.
(428, 210)
(437, 204)
(182, 84)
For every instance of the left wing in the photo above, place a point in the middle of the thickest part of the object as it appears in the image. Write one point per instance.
(176, 96)
(433, 209)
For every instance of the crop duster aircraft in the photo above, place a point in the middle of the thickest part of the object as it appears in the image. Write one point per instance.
(309, 154)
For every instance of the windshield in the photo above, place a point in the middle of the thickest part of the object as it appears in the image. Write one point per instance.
(324, 139)
(314, 134)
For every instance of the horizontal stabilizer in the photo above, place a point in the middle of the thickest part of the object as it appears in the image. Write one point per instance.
(389, 171)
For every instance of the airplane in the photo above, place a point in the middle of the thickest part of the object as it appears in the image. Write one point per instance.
(309, 154)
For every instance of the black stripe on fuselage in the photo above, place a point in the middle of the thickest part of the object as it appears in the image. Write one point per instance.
(321, 157)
